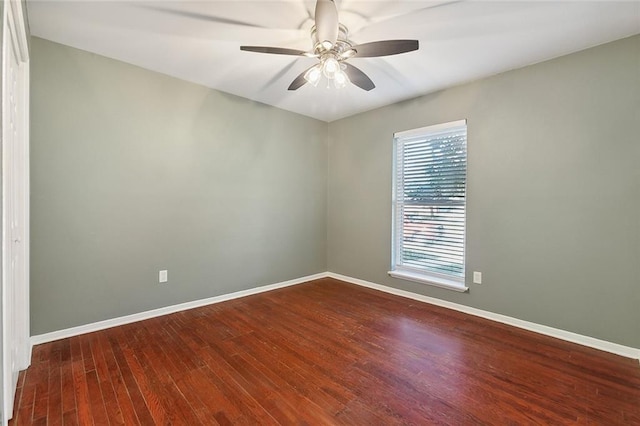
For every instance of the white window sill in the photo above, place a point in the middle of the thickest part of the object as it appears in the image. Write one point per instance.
(430, 280)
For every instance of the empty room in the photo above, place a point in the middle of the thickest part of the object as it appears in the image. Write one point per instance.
(320, 212)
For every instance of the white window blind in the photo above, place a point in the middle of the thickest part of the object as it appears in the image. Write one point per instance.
(429, 202)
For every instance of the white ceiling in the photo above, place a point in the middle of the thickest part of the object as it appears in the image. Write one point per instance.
(459, 41)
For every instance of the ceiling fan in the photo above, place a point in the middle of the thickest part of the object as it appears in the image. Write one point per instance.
(332, 48)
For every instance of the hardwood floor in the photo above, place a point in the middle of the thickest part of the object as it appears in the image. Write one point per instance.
(324, 352)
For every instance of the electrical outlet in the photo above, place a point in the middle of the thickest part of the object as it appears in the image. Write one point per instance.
(163, 277)
(477, 277)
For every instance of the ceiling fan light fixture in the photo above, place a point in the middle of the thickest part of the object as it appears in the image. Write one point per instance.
(313, 75)
(330, 66)
(340, 79)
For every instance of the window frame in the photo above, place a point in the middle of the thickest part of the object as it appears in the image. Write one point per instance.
(420, 275)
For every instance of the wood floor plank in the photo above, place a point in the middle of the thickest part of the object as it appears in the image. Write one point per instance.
(324, 352)
(70, 418)
(208, 399)
(119, 407)
(128, 385)
(151, 398)
(81, 390)
(163, 386)
(226, 379)
(41, 397)
(98, 409)
(54, 414)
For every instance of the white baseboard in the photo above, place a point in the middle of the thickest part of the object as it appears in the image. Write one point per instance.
(591, 342)
(114, 322)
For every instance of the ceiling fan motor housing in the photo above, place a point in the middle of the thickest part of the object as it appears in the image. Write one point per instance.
(339, 49)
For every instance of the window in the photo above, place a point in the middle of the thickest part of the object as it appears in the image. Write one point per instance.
(429, 205)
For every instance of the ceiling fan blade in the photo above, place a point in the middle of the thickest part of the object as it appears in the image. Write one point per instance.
(274, 50)
(357, 77)
(327, 21)
(384, 48)
(299, 81)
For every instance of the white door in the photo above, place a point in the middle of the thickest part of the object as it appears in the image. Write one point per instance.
(11, 233)
(15, 216)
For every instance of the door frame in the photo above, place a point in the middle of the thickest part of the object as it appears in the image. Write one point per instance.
(15, 32)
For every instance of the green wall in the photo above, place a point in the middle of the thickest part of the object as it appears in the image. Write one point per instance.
(133, 172)
(553, 218)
